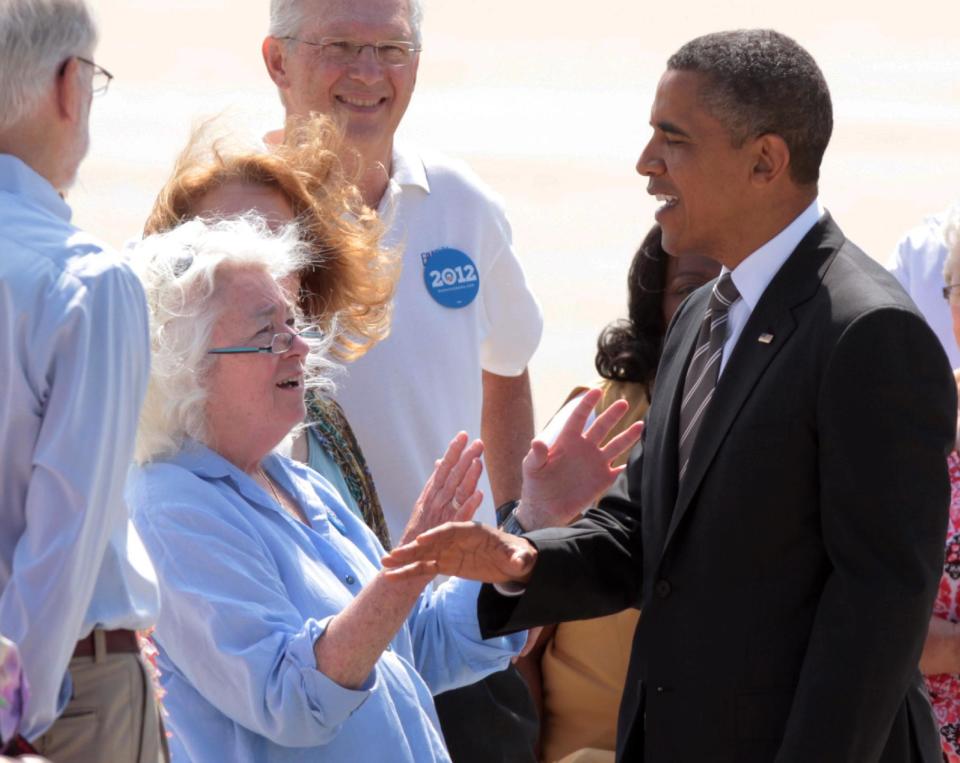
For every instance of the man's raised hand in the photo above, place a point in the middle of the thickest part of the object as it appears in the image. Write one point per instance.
(562, 480)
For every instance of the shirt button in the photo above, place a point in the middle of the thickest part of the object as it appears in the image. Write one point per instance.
(660, 690)
(663, 588)
(350, 579)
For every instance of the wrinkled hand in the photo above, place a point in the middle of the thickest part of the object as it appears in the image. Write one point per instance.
(466, 550)
(560, 481)
(450, 494)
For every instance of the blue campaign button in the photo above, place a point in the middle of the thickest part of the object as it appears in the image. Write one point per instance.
(451, 277)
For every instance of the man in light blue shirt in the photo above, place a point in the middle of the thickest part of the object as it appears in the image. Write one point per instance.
(75, 581)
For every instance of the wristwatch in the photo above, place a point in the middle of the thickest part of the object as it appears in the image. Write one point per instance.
(507, 518)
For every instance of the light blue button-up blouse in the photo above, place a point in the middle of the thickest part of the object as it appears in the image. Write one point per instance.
(246, 590)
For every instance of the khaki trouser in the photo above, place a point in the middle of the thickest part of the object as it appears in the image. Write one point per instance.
(112, 716)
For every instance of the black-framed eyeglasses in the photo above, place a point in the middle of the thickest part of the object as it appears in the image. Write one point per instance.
(101, 77)
(951, 293)
(279, 344)
(341, 52)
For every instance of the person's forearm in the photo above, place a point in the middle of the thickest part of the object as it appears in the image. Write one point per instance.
(941, 650)
(506, 430)
(354, 640)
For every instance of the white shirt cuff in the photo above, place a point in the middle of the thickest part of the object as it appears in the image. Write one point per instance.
(510, 589)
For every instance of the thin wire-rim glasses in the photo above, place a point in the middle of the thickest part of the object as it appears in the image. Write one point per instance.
(279, 344)
(101, 77)
(343, 52)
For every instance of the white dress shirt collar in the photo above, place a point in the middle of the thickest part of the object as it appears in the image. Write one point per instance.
(754, 274)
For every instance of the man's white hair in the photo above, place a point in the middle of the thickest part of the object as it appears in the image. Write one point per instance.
(36, 37)
(288, 16)
(181, 271)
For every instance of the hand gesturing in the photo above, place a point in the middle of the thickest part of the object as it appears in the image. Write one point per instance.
(450, 494)
(467, 550)
(560, 481)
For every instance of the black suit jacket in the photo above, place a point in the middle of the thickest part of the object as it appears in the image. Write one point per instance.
(787, 584)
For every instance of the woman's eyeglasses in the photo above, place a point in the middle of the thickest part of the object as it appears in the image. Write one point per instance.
(279, 344)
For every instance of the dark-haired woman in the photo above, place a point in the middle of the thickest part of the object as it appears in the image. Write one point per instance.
(577, 669)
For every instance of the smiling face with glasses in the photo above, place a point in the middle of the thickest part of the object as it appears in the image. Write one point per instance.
(356, 61)
(255, 384)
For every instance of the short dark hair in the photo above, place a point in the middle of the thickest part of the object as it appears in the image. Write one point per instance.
(629, 350)
(761, 81)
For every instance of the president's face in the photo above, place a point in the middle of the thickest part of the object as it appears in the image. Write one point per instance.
(368, 98)
(695, 170)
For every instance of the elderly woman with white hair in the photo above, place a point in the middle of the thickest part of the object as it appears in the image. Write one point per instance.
(280, 637)
(940, 661)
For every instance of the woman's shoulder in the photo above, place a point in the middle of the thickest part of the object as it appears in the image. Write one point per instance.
(161, 482)
(177, 489)
(635, 393)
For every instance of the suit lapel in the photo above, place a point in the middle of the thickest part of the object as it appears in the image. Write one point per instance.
(795, 283)
(659, 481)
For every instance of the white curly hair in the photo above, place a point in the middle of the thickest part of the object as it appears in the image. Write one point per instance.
(180, 271)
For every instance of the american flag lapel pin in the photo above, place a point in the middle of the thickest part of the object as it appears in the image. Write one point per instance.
(765, 338)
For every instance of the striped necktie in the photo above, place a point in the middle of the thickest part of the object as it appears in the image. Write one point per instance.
(704, 368)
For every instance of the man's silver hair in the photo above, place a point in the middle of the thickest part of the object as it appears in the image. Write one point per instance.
(36, 37)
(181, 271)
(287, 18)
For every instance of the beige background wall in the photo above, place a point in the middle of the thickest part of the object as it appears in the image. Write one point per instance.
(549, 102)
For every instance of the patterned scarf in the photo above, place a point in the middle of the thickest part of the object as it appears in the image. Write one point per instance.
(338, 441)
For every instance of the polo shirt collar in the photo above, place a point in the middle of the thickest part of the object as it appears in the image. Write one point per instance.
(408, 169)
(20, 179)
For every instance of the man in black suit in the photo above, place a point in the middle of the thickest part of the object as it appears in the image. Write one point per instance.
(782, 523)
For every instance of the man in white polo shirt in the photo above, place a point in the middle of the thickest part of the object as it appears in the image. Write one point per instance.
(465, 323)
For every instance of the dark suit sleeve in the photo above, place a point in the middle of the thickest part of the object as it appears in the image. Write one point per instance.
(884, 504)
(589, 569)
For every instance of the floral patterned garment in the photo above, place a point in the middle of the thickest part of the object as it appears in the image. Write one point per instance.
(945, 689)
(13, 690)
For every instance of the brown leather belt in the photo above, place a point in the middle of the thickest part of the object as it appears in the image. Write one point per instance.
(117, 641)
